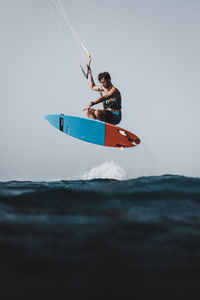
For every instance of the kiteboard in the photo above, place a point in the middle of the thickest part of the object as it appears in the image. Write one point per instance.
(94, 131)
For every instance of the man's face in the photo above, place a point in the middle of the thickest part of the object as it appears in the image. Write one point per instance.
(105, 83)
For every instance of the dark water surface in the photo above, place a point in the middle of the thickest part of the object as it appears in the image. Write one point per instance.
(100, 239)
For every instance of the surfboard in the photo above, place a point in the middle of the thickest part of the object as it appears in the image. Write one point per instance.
(93, 131)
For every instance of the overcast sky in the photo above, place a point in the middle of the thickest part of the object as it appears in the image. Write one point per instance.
(151, 49)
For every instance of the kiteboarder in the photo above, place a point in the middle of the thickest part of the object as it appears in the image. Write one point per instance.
(111, 112)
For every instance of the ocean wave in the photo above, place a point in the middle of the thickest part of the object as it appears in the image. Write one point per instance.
(144, 187)
(74, 234)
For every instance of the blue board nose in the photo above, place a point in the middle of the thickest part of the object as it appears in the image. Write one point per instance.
(84, 129)
(53, 120)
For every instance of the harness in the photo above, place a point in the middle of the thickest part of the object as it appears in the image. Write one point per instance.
(113, 104)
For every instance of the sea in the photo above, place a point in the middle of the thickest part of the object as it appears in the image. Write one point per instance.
(100, 238)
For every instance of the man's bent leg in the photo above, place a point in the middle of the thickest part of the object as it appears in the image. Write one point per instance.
(100, 115)
(91, 113)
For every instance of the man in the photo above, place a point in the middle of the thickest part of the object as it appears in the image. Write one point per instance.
(111, 112)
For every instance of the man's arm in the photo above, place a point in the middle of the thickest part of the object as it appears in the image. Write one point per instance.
(106, 96)
(103, 98)
(93, 86)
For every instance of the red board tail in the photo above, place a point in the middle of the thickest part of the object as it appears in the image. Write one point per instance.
(119, 137)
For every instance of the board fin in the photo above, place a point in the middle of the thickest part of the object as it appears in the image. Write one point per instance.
(61, 124)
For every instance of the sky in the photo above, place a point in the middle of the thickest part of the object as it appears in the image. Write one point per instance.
(151, 49)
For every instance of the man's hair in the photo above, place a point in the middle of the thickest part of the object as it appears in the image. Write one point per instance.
(104, 75)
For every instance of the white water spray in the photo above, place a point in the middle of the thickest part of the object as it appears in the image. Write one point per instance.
(108, 170)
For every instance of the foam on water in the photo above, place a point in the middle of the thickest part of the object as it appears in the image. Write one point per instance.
(108, 169)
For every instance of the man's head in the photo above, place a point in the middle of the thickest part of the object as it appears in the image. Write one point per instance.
(105, 79)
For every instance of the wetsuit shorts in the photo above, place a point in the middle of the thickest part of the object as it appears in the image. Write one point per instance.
(113, 117)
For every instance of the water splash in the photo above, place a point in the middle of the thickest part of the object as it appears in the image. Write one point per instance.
(108, 169)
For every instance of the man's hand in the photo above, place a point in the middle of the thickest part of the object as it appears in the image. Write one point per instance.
(89, 71)
(89, 106)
